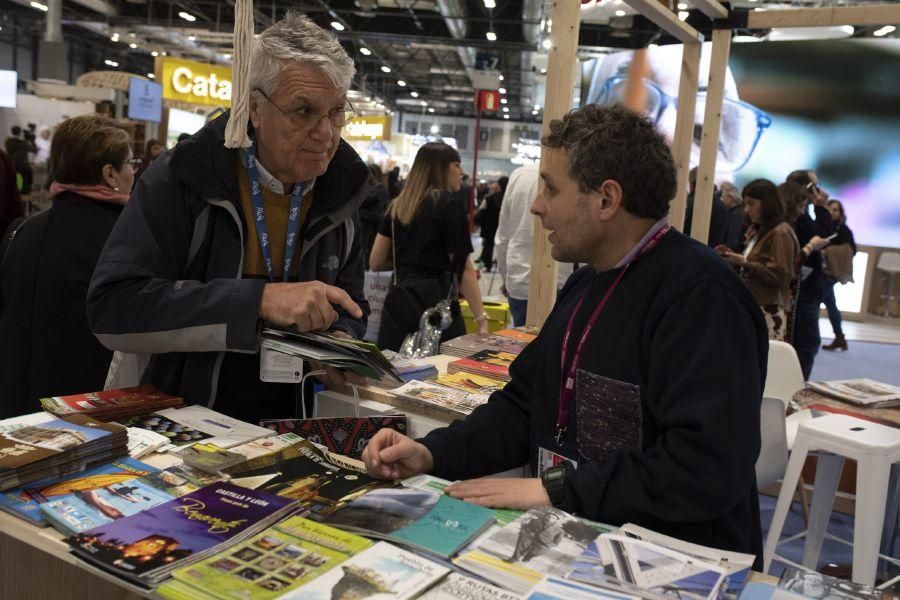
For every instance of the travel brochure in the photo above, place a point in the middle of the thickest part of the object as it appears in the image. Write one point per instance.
(112, 405)
(864, 392)
(344, 435)
(490, 363)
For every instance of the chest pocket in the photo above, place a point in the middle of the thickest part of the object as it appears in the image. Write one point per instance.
(609, 416)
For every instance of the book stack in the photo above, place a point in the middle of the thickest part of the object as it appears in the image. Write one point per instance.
(112, 405)
(473, 343)
(411, 368)
(441, 395)
(56, 446)
(195, 423)
(363, 358)
(146, 547)
(489, 363)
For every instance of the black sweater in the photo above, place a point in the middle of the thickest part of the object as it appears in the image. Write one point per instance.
(684, 328)
(806, 227)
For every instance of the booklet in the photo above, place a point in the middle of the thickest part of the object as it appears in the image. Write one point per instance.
(424, 521)
(441, 395)
(554, 588)
(303, 472)
(865, 392)
(381, 572)
(224, 431)
(457, 586)
(25, 501)
(146, 547)
(274, 562)
(436, 485)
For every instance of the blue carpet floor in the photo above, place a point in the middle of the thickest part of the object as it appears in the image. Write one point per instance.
(880, 362)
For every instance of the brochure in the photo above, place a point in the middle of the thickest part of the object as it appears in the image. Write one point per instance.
(865, 392)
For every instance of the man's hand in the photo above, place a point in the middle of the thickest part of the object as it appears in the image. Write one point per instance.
(306, 306)
(501, 492)
(817, 243)
(392, 455)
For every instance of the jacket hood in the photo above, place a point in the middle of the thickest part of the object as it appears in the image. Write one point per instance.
(205, 165)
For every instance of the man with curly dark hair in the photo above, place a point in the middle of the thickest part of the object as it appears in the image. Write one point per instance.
(639, 401)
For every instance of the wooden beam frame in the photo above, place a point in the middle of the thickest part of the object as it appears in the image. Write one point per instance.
(665, 20)
(709, 141)
(560, 86)
(688, 84)
(711, 8)
(883, 14)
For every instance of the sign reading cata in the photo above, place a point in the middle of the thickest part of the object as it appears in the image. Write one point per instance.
(368, 128)
(194, 82)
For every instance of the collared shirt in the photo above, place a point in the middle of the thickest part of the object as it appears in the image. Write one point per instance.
(637, 247)
(267, 180)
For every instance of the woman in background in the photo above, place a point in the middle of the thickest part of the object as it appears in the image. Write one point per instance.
(843, 237)
(46, 345)
(767, 263)
(425, 238)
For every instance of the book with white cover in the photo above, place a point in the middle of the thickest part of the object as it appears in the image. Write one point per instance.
(457, 586)
(380, 573)
(226, 431)
(865, 392)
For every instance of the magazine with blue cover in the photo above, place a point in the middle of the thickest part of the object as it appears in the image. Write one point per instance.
(146, 546)
(26, 501)
(425, 521)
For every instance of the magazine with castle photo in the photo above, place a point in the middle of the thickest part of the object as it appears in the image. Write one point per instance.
(424, 521)
(274, 562)
(147, 546)
(383, 572)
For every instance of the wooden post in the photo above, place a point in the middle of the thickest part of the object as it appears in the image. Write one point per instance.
(684, 129)
(560, 85)
(709, 141)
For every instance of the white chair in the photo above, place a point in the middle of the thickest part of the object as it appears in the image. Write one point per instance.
(773, 452)
(889, 262)
(875, 448)
(784, 378)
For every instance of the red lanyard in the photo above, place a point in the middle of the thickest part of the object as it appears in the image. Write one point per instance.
(567, 385)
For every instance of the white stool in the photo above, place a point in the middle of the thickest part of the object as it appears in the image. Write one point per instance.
(889, 262)
(875, 448)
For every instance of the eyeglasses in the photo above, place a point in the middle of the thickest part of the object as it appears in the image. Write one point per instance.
(134, 162)
(303, 118)
(742, 123)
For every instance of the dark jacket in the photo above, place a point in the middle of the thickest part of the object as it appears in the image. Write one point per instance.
(46, 345)
(370, 214)
(11, 206)
(677, 358)
(169, 280)
(490, 215)
(806, 227)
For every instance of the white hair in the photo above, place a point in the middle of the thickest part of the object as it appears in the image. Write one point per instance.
(297, 39)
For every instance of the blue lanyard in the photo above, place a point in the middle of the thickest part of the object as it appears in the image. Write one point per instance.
(259, 212)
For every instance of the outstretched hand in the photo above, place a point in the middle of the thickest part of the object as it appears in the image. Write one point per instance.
(392, 455)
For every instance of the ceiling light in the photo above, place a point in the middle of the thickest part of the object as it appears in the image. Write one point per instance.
(505, 109)
(503, 100)
(501, 77)
(154, 53)
(431, 110)
(423, 103)
(547, 44)
(537, 107)
(434, 128)
(226, 56)
(505, 116)
(39, 6)
(365, 51)
(414, 94)
(132, 46)
(401, 83)
(164, 53)
(192, 38)
(884, 30)
(620, 13)
(791, 34)
(491, 36)
(490, 3)
(114, 37)
(110, 63)
(151, 75)
(744, 39)
(534, 112)
(682, 6)
(337, 26)
(502, 90)
(367, 99)
(187, 16)
(385, 69)
(683, 15)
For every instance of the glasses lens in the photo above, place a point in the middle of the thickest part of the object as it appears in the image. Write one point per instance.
(617, 90)
(339, 118)
(738, 134)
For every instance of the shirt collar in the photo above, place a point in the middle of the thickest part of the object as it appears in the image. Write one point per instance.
(268, 181)
(632, 254)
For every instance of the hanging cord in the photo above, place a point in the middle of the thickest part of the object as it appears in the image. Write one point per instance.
(303, 390)
(355, 398)
(236, 130)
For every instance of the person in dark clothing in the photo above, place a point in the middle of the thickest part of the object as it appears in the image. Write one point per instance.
(844, 237)
(46, 345)
(425, 238)
(18, 147)
(718, 218)
(736, 223)
(372, 211)
(811, 234)
(464, 195)
(490, 219)
(11, 207)
(639, 401)
(394, 185)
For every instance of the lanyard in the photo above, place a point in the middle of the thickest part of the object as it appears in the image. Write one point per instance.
(567, 386)
(259, 212)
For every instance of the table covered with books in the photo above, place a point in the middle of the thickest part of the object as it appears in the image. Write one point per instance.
(130, 494)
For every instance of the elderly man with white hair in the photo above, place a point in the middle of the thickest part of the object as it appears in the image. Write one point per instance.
(215, 240)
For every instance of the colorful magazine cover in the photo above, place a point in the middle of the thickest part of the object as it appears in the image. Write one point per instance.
(425, 521)
(110, 401)
(89, 508)
(178, 434)
(473, 343)
(472, 383)
(343, 435)
(380, 573)
(274, 562)
(145, 546)
(491, 363)
(54, 436)
(26, 501)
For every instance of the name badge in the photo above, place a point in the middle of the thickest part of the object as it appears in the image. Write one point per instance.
(550, 455)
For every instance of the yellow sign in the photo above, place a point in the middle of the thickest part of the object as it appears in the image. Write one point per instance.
(367, 128)
(194, 82)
